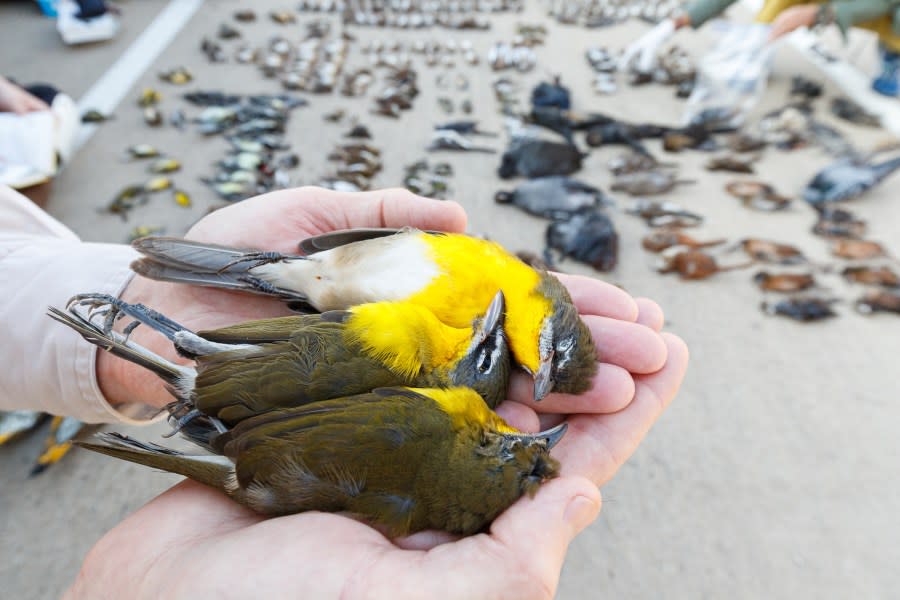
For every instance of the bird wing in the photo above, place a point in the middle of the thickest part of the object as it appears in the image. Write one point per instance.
(339, 440)
(334, 239)
(270, 330)
(314, 364)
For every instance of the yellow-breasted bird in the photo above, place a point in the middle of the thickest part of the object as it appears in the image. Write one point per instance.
(253, 367)
(453, 275)
(408, 459)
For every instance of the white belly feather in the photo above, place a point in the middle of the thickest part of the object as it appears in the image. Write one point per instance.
(389, 268)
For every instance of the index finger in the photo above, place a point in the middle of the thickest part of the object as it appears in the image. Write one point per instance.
(595, 297)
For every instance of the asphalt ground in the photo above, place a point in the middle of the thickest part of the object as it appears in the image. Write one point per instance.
(772, 475)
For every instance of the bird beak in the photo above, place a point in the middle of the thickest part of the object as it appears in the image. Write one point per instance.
(550, 437)
(543, 379)
(492, 319)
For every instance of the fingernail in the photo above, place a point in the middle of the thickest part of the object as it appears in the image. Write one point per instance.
(581, 512)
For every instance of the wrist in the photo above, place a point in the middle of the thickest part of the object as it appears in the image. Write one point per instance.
(123, 382)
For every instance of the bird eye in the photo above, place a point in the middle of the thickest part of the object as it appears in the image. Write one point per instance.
(484, 362)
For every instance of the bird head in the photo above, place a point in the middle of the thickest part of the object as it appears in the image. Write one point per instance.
(486, 364)
(522, 459)
(568, 357)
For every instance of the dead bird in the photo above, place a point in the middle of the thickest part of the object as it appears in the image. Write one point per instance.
(283, 17)
(633, 162)
(538, 158)
(468, 127)
(178, 119)
(149, 97)
(838, 223)
(879, 301)
(647, 183)
(177, 76)
(848, 110)
(758, 195)
(767, 251)
(94, 116)
(663, 214)
(880, 276)
(213, 51)
(805, 87)
(182, 198)
(63, 431)
(359, 132)
(335, 116)
(551, 94)
(801, 308)
(663, 239)
(784, 282)
(746, 142)
(553, 197)
(126, 199)
(157, 184)
(587, 236)
(211, 98)
(858, 249)
(245, 15)
(153, 116)
(448, 139)
(227, 32)
(164, 165)
(731, 164)
(847, 179)
(692, 264)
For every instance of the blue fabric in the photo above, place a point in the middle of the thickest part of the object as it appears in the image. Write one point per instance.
(887, 84)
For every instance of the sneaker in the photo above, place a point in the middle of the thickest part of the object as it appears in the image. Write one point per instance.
(887, 83)
(76, 30)
(68, 123)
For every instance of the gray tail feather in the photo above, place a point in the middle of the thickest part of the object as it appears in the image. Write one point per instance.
(882, 170)
(119, 345)
(188, 255)
(214, 471)
(152, 269)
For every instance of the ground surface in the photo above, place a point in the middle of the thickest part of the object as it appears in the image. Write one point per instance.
(772, 475)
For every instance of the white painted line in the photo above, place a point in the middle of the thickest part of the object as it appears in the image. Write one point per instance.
(109, 91)
(854, 83)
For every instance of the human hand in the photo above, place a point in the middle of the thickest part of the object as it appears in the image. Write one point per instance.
(15, 99)
(192, 539)
(793, 18)
(641, 54)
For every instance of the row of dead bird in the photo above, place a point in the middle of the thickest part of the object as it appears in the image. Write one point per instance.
(581, 230)
(606, 13)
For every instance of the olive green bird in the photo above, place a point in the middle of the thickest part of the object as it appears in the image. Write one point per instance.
(452, 275)
(250, 368)
(407, 459)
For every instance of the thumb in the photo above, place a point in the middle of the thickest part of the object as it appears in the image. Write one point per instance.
(538, 531)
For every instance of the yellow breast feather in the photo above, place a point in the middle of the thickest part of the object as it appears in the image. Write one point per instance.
(406, 337)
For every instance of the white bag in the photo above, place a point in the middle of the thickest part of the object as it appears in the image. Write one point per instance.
(732, 77)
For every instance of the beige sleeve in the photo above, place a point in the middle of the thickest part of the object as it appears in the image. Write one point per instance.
(46, 366)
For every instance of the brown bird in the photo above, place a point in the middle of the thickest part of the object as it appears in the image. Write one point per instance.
(784, 282)
(772, 252)
(882, 276)
(858, 249)
(663, 239)
(879, 301)
(693, 264)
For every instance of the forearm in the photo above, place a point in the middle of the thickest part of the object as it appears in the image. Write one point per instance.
(47, 367)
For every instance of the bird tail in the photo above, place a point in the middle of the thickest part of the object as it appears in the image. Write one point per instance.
(214, 471)
(210, 265)
(180, 379)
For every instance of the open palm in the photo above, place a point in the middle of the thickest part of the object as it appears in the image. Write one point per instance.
(192, 540)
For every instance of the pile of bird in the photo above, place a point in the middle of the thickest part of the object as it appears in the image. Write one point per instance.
(422, 14)
(606, 13)
(377, 401)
